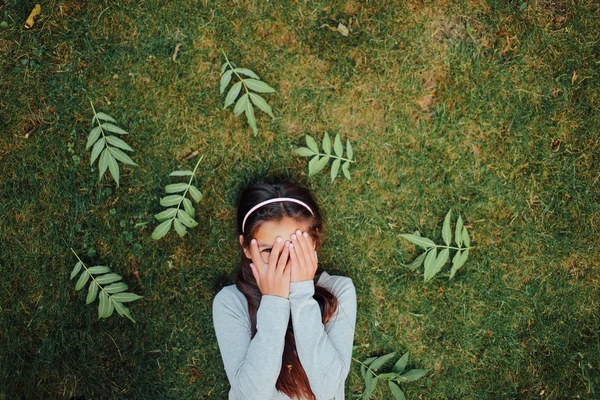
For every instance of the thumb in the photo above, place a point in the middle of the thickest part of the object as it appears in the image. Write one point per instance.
(255, 273)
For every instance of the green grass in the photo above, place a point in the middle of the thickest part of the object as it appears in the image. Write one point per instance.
(519, 321)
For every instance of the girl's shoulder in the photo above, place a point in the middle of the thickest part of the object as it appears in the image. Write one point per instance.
(232, 297)
(336, 284)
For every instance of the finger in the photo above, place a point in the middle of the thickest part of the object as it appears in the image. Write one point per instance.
(255, 274)
(294, 257)
(299, 250)
(255, 254)
(275, 252)
(312, 249)
(306, 247)
(283, 258)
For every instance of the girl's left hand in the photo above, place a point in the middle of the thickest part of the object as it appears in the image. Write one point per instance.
(303, 257)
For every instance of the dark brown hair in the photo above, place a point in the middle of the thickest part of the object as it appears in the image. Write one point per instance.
(292, 378)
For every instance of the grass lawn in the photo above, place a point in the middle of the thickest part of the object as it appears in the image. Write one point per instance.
(491, 108)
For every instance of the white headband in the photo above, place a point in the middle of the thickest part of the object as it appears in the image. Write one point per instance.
(276, 200)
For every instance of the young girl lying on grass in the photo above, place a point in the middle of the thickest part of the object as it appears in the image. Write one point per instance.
(283, 332)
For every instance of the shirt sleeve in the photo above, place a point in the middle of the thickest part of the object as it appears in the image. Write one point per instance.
(252, 366)
(324, 351)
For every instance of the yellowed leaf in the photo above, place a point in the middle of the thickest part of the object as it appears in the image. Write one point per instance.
(37, 10)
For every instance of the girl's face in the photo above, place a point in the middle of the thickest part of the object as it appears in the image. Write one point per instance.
(269, 231)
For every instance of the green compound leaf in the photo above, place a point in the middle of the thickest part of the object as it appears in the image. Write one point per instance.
(258, 86)
(116, 287)
(99, 269)
(251, 118)
(94, 135)
(327, 144)
(232, 94)
(92, 293)
(465, 237)
(304, 152)
(105, 307)
(76, 269)
(345, 170)
(83, 279)
(179, 228)
(103, 163)
(108, 278)
(458, 261)
(176, 187)
(335, 168)
(416, 262)
(430, 264)
(189, 207)
(458, 232)
(171, 200)
(125, 297)
(122, 310)
(186, 219)
(319, 165)
(166, 214)
(396, 391)
(418, 240)
(312, 165)
(446, 228)
(181, 173)
(225, 79)
(118, 142)
(104, 117)
(370, 385)
(262, 104)
(247, 72)
(439, 262)
(401, 364)
(337, 146)
(113, 128)
(97, 149)
(312, 144)
(380, 361)
(241, 104)
(113, 167)
(349, 151)
(195, 193)
(121, 156)
(413, 375)
(223, 68)
(161, 230)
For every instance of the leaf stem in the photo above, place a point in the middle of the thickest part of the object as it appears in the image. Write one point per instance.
(233, 69)
(366, 366)
(334, 156)
(451, 247)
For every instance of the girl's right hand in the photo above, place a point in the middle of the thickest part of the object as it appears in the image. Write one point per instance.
(272, 278)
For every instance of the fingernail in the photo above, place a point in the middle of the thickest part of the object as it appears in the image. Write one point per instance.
(253, 241)
(291, 245)
(287, 244)
(298, 232)
(294, 237)
(278, 240)
(305, 234)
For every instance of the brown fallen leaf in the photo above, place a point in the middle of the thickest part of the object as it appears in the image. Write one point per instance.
(37, 10)
(426, 102)
(574, 77)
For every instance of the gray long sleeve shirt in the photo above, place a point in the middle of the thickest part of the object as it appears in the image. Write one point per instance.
(325, 351)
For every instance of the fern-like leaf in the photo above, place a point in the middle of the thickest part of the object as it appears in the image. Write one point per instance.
(180, 212)
(320, 160)
(249, 82)
(108, 147)
(105, 286)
